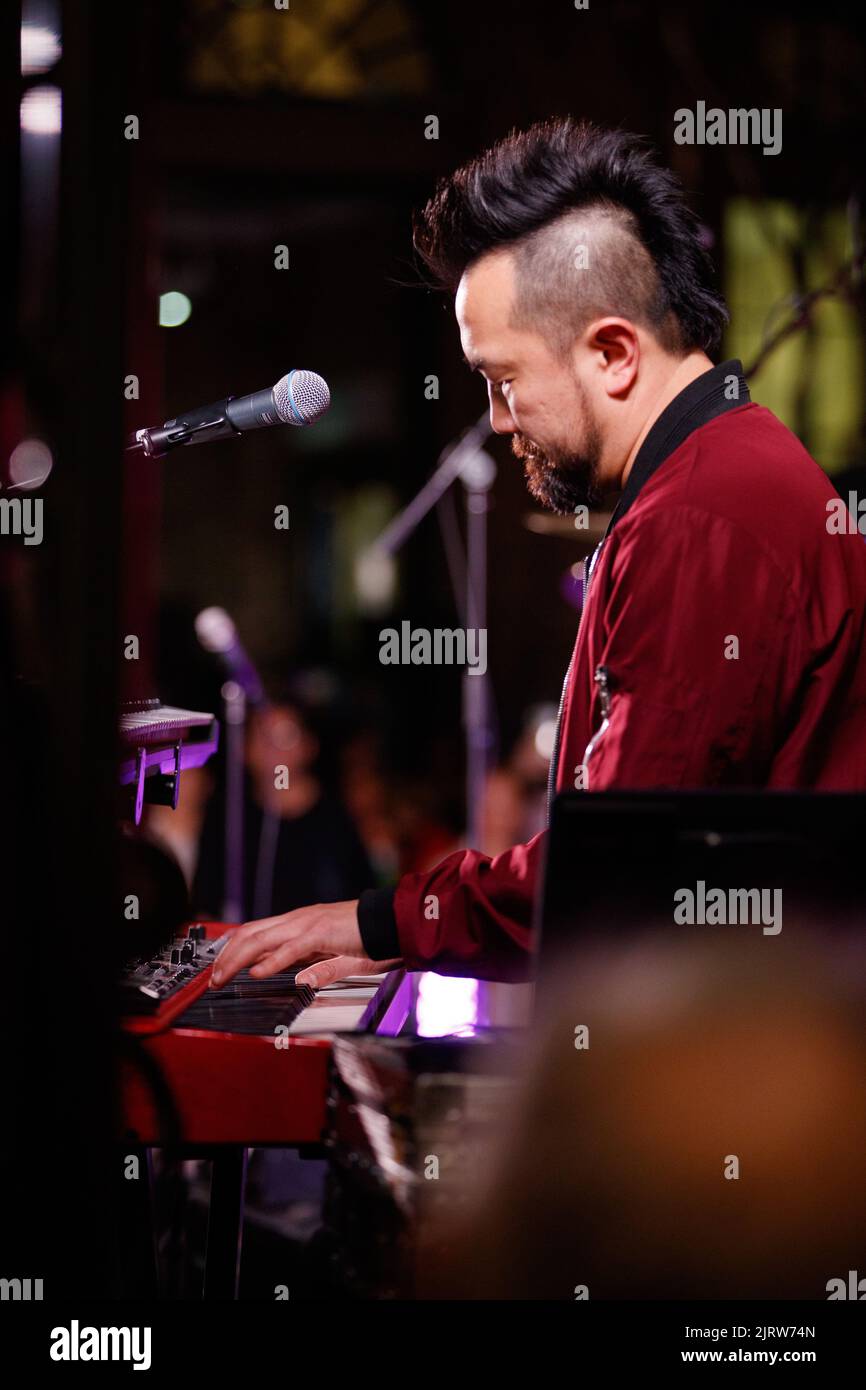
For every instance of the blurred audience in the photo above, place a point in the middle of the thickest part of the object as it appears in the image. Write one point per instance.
(515, 797)
(300, 843)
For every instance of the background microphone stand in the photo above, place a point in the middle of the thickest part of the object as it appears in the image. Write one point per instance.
(235, 716)
(243, 688)
(442, 1003)
(464, 459)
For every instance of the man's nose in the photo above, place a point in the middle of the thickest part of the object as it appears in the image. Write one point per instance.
(501, 419)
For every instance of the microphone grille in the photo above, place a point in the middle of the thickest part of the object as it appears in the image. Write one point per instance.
(301, 397)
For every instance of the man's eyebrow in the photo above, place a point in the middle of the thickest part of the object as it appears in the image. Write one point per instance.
(477, 364)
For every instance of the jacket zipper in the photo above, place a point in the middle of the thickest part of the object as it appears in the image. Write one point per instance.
(602, 680)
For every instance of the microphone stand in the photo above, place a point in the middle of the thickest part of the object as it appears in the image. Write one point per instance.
(235, 709)
(466, 459)
(479, 475)
(241, 691)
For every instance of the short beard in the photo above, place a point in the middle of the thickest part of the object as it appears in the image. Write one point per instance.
(561, 479)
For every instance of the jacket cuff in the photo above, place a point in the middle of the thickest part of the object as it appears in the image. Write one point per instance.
(378, 923)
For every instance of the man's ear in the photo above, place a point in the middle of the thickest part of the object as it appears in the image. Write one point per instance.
(615, 345)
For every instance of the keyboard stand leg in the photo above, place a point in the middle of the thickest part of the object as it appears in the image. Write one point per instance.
(138, 1235)
(225, 1222)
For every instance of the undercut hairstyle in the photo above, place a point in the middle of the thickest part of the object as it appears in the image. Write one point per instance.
(596, 227)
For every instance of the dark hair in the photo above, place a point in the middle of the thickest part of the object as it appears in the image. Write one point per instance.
(532, 179)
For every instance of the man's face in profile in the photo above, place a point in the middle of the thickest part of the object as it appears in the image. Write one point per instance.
(535, 396)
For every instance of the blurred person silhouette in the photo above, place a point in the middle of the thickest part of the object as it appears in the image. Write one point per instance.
(515, 793)
(705, 1138)
(369, 800)
(300, 842)
(401, 817)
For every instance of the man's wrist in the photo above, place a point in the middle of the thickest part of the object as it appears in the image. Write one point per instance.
(377, 923)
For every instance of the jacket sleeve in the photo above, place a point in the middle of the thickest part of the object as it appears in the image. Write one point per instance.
(700, 646)
(470, 915)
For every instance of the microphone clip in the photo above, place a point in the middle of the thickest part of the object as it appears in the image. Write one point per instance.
(155, 443)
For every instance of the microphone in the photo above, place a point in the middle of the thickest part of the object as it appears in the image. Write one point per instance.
(299, 398)
(217, 633)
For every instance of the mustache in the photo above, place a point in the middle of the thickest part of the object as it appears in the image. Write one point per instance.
(528, 451)
(543, 461)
